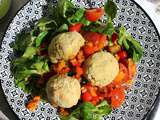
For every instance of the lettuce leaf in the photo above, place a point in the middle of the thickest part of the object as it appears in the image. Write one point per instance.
(133, 47)
(110, 9)
(87, 111)
(24, 68)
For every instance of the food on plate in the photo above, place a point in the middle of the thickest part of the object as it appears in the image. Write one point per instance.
(65, 46)
(63, 91)
(101, 68)
(76, 62)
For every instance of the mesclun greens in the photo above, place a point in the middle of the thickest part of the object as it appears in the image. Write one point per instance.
(27, 44)
(23, 68)
(130, 44)
(87, 111)
(110, 9)
(29, 66)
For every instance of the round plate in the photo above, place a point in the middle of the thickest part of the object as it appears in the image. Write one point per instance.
(139, 100)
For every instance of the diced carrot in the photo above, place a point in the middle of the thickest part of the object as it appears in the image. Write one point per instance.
(63, 112)
(128, 84)
(124, 69)
(131, 68)
(119, 77)
(32, 105)
(59, 66)
(37, 98)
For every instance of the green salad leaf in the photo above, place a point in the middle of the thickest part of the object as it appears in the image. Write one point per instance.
(29, 52)
(65, 8)
(63, 28)
(75, 115)
(22, 41)
(91, 112)
(110, 9)
(77, 16)
(45, 24)
(40, 38)
(87, 111)
(107, 29)
(24, 68)
(133, 47)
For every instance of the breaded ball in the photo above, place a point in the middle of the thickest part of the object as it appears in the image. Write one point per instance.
(63, 91)
(65, 46)
(101, 68)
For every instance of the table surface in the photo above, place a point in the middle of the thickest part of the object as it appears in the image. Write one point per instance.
(16, 5)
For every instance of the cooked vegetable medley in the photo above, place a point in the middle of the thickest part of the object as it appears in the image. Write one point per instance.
(74, 61)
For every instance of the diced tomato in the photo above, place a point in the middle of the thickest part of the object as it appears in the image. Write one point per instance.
(114, 37)
(75, 27)
(122, 54)
(124, 69)
(79, 70)
(88, 50)
(95, 100)
(74, 62)
(93, 91)
(100, 96)
(94, 42)
(77, 76)
(94, 14)
(88, 86)
(86, 97)
(94, 37)
(64, 70)
(117, 97)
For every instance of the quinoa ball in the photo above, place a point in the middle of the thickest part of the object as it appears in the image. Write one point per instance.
(63, 91)
(101, 68)
(65, 46)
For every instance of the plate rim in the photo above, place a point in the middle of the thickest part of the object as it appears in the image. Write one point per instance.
(146, 116)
